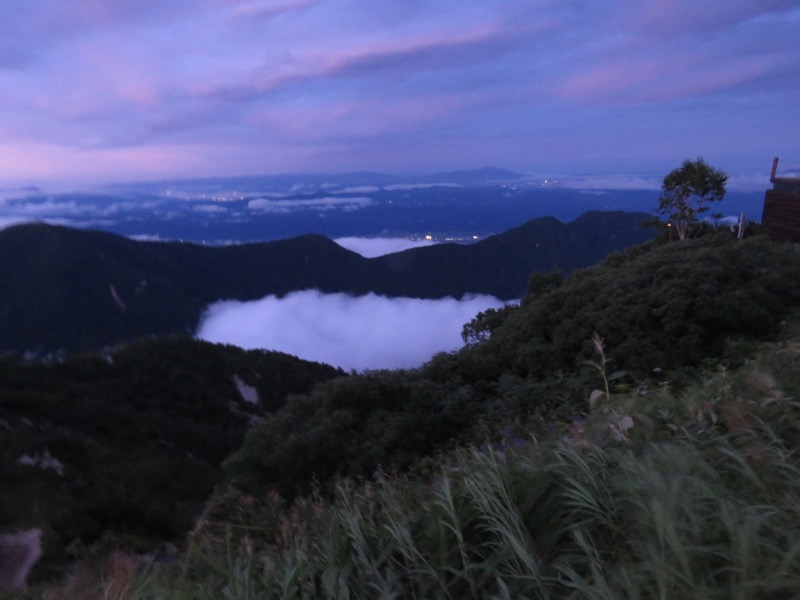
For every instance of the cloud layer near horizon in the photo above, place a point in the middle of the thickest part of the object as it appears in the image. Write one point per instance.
(379, 246)
(361, 333)
(120, 90)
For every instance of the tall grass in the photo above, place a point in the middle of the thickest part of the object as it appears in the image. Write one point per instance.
(701, 499)
(670, 522)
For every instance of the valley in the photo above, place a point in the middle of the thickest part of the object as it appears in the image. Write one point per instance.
(197, 454)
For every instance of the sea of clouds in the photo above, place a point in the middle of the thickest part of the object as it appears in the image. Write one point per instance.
(372, 247)
(354, 333)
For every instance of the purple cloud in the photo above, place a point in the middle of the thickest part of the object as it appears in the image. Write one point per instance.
(265, 9)
(110, 90)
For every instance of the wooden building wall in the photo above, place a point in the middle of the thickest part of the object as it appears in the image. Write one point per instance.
(781, 216)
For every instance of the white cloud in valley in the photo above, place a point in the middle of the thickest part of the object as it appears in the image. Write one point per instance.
(358, 333)
(372, 247)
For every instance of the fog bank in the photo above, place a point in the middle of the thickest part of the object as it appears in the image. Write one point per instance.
(360, 333)
(379, 246)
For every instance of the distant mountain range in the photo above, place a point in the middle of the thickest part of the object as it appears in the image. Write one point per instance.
(448, 206)
(69, 290)
(287, 181)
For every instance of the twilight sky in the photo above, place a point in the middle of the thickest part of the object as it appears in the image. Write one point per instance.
(106, 90)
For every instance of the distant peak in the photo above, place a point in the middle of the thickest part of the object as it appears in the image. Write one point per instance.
(484, 174)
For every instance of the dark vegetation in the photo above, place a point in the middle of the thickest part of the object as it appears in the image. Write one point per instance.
(651, 453)
(630, 430)
(660, 308)
(656, 307)
(687, 190)
(69, 290)
(139, 435)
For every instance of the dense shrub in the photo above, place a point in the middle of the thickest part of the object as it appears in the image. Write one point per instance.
(348, 426)
(673, 305)
(664, 306)
(698, 499)
(648, 492)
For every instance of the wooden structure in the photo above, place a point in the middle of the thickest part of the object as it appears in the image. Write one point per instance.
(781, 216)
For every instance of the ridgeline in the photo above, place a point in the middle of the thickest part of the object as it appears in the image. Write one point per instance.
(630, 430)
(71, 290)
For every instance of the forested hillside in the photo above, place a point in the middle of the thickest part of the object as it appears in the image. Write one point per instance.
(65, 289)
(128, 445)
(659, 308)
(630, 430)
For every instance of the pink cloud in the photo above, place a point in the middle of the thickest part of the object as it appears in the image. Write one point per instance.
(634, 74)
(25, 162)
(243, 85)
(610, 80)
(264, 9)
(685, 17)
(368, 55)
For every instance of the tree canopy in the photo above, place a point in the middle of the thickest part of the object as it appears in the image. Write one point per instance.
(686, 190)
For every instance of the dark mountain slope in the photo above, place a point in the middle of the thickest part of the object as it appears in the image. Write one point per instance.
(131, 442)
(663, 310)
(502, 265)
(72, 290)
(69, 289)
(254, 270)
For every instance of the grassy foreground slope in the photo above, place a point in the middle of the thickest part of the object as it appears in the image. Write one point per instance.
(664, 495)
(489, 474)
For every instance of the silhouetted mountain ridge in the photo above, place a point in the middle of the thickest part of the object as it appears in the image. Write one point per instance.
(67, 289)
